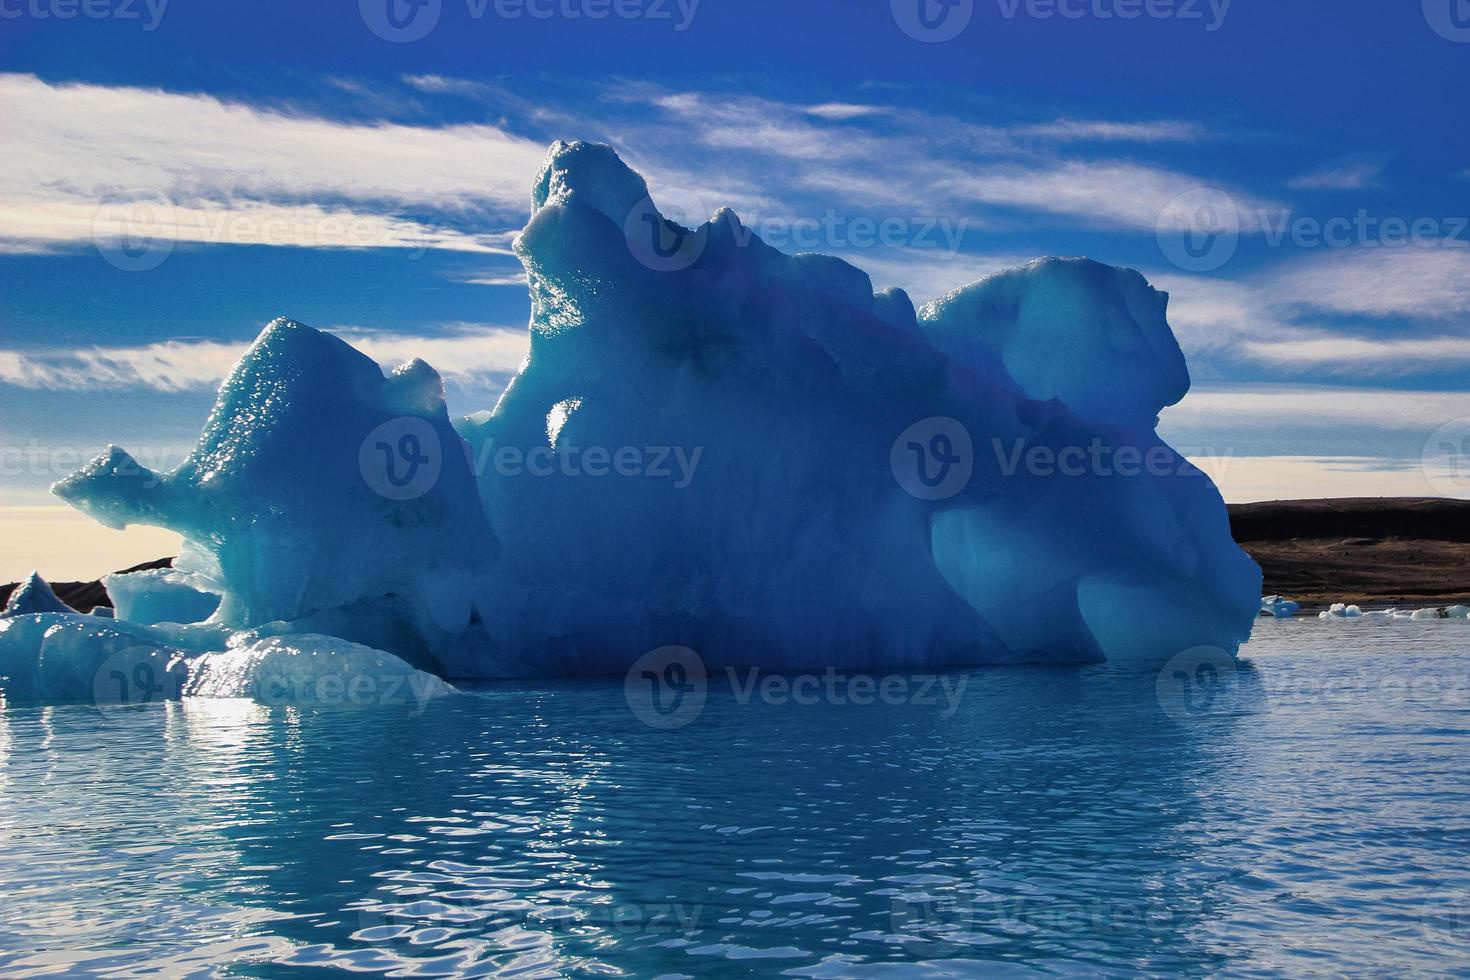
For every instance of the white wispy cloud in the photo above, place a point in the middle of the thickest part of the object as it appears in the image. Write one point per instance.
(83, 161)
(1321, 313)
(1098, 193)
(1101, 131)
(463, 352)
(845, 110)
(1432, 282)
(517, 278)
(1342, 177)
(1397, 356)
(961, 165)
(31, 226)
(72, 148)
(1242, 408)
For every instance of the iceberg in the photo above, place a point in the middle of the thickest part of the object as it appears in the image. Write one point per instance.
(34, 595)
(711, 444)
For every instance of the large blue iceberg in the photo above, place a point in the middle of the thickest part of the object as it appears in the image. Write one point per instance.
(711, 443)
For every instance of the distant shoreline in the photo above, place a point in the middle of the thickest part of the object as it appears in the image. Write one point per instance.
(1371, 551)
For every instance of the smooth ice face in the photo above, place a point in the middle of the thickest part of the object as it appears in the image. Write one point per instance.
(160, 595)
(717, 445)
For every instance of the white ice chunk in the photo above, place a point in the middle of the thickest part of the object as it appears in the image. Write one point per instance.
(1274, 605)
(160, 595)
(312, 670)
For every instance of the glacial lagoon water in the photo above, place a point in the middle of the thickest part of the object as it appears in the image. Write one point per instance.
(1306, 813)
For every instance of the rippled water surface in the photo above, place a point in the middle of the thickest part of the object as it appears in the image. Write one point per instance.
(1308, 814)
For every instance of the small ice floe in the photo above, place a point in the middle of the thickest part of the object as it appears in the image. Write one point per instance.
(1430, 613)
(1274, 605)
(1343, 611)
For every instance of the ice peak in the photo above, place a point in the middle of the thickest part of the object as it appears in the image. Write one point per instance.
(34, 595)
(591, 173)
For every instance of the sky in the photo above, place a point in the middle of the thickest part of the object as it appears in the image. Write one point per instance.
(177, 173)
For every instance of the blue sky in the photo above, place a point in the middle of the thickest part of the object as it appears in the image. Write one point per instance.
(272, 158)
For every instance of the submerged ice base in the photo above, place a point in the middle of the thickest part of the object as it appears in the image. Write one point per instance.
(718, 445)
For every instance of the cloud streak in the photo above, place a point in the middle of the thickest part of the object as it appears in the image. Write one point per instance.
(1345, 177)
(466, 353)
(72, 148)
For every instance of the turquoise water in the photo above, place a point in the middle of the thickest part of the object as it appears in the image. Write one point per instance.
(1309, 814)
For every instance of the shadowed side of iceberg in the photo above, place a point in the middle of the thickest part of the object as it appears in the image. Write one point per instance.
(798, 543)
